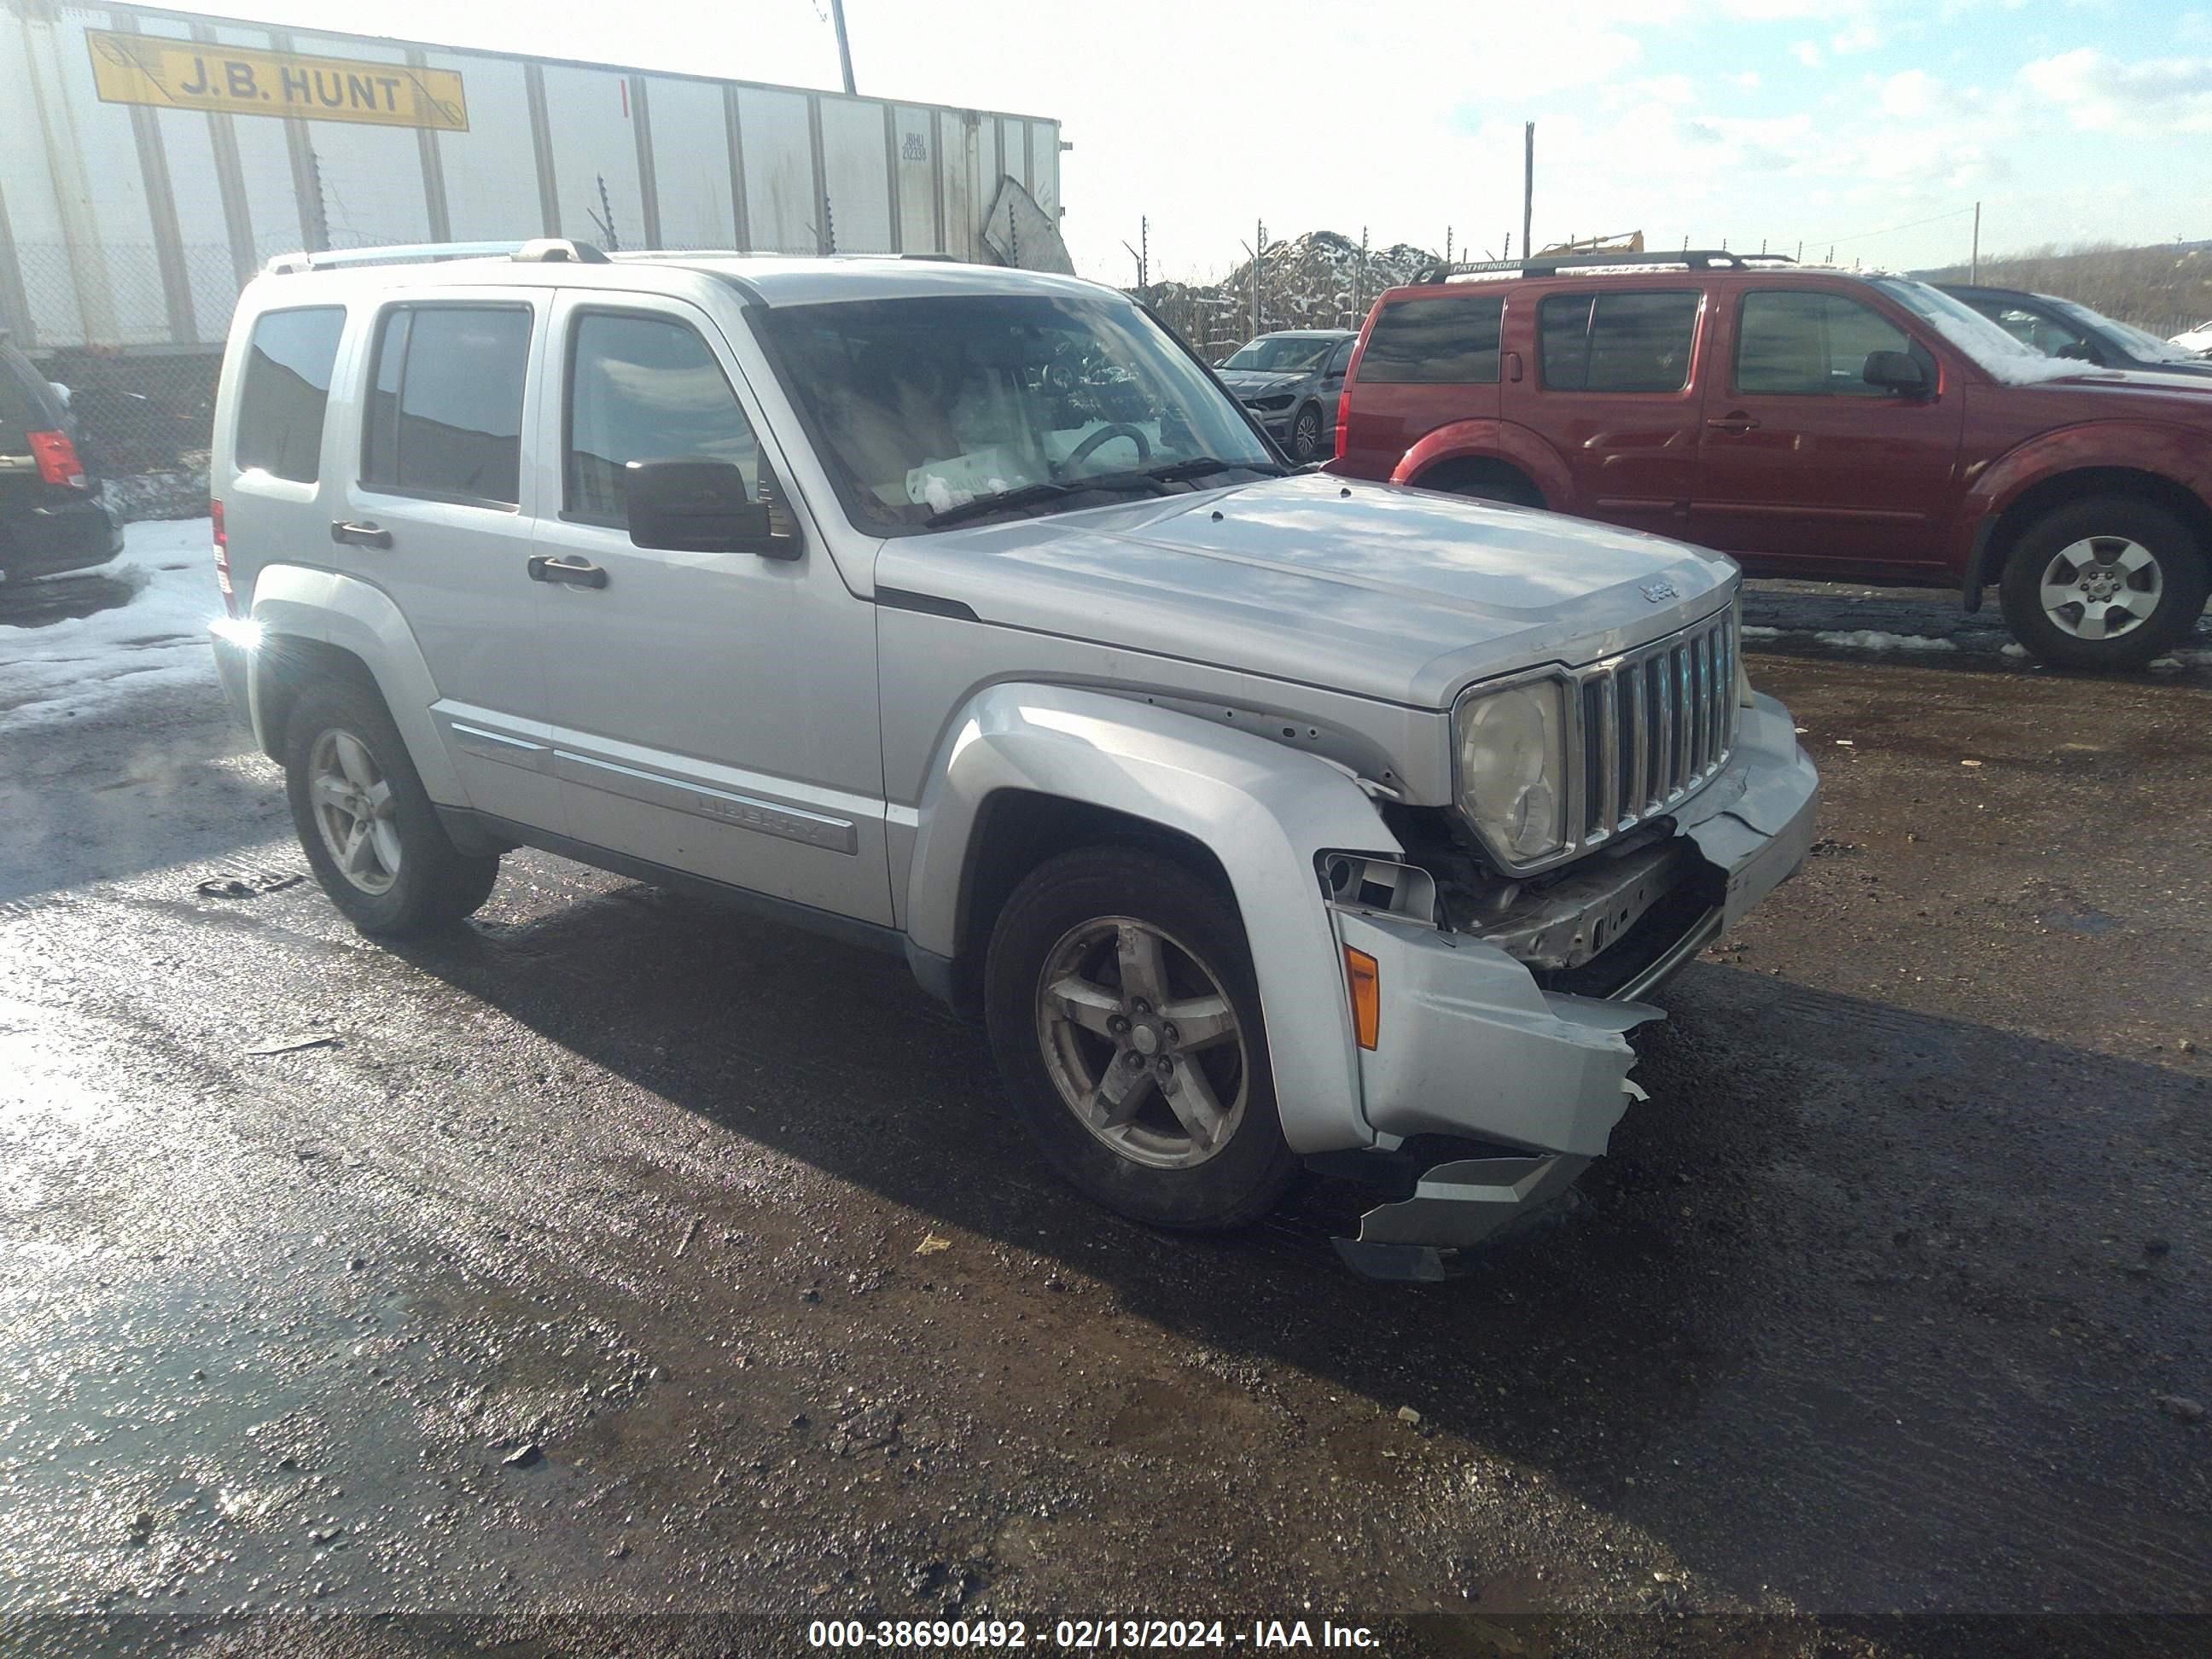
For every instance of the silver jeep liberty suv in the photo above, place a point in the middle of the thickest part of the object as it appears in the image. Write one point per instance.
(1263, 818)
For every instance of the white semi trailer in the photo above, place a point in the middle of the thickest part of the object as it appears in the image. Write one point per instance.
(151, 160)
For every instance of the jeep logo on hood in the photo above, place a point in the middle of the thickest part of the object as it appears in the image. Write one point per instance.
(1657, 593)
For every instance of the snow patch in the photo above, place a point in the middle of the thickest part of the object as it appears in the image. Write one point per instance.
(1873, 639)
(156, 639)
(1753, 631)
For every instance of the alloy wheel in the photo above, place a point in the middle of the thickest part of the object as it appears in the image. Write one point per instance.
(354, 809)
(1142, 1043)
(2101, 587)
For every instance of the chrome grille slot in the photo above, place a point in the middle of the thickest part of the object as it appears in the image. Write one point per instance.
(1654, 725)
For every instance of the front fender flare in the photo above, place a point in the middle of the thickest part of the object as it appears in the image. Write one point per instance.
(1263, 810)
(300, 602)
(2173, 453)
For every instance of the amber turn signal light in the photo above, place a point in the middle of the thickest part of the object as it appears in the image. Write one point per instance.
(1366, 982)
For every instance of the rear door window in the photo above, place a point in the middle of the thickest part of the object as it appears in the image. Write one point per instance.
(1808, 344)
(646, 389)
(445, 404)
(1447, 340)
(1629, 342)
(286, 391)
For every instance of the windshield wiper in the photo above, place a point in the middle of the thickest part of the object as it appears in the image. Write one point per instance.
(1036, 495)
(1201, 466)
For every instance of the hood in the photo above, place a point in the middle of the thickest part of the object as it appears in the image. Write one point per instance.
(2115, 390)
(1382, 590)
(1251, 382)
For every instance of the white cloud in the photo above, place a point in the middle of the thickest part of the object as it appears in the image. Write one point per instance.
(1747, 81)
(1910, 94)
(2100, 92)
(1807, 52)
(1859, 35)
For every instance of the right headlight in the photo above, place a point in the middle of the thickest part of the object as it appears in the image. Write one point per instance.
(1512, 760)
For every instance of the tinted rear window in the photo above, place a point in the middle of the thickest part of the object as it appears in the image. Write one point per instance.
(444, 413)
(1450, 340)
(1633, 341)
(287, 392)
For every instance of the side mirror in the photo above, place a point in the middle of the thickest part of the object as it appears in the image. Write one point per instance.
(1895, 371)
(705, 507)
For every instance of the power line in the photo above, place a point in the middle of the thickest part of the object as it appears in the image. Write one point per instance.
(1862, 236)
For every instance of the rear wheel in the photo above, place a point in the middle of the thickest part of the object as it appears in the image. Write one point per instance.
(1125, 1018)
(371, 835)
(2110, 583)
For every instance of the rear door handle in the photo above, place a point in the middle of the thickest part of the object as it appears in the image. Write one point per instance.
(574, 572)
(1735, 422)
(360, 535)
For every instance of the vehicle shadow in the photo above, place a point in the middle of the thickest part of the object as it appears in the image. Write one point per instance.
(1851, 1313)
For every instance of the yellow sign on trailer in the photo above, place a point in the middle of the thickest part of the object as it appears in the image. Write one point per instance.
(141, 68)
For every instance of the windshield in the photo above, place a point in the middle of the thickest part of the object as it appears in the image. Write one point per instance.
(1992, 349)
(1283, 354)
(2140, 342)
(919, 406)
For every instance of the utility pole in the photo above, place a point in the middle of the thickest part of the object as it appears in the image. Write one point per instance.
(1359, 281)
(1259, 258)
(1528, 185)
(1974, 260)
(844, 47)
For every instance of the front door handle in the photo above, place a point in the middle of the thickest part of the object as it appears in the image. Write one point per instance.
(574, 572)
(1735, 420)
(360, 535)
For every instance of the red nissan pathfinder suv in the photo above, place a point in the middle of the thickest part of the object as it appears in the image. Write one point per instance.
(1811, 423)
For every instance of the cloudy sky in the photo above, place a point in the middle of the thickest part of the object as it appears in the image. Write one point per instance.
(1871, 126)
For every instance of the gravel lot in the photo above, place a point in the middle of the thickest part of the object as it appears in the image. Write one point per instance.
(623, 1257)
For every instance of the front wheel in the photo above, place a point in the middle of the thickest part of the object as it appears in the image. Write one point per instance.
(2108, 583)
(1125, 1018)
(370, 832)
(1306, 436)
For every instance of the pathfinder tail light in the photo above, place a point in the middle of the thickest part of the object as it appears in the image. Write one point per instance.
(222, 559)
(57, 460)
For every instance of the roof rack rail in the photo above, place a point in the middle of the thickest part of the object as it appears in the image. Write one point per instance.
(1551, 265)
(547, 250)
(559, 251)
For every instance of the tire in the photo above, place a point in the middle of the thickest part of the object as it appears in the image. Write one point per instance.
(408, 878)
(2139, 574)
(1074, 918)
(1306, 434)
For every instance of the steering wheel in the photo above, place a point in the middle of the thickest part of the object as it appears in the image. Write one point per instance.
(1105, 434)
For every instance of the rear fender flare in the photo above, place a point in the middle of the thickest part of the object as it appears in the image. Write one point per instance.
(1264, 811)
(298, 602)
(1490, 441)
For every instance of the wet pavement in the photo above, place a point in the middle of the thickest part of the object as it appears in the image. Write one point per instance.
(619, 1255)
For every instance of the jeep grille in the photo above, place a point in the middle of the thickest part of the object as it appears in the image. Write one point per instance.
(1657, 725)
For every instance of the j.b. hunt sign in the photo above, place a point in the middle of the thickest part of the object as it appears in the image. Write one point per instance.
(139, 68)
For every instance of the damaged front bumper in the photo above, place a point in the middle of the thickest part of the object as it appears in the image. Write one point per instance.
(1522, 1082)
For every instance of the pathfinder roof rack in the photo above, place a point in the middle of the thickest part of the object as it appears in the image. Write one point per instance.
(546, 250)
(1551, 265)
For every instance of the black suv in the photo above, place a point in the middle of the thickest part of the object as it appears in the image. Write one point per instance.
(51, 518)
(2060, 328)
(1291, 381)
